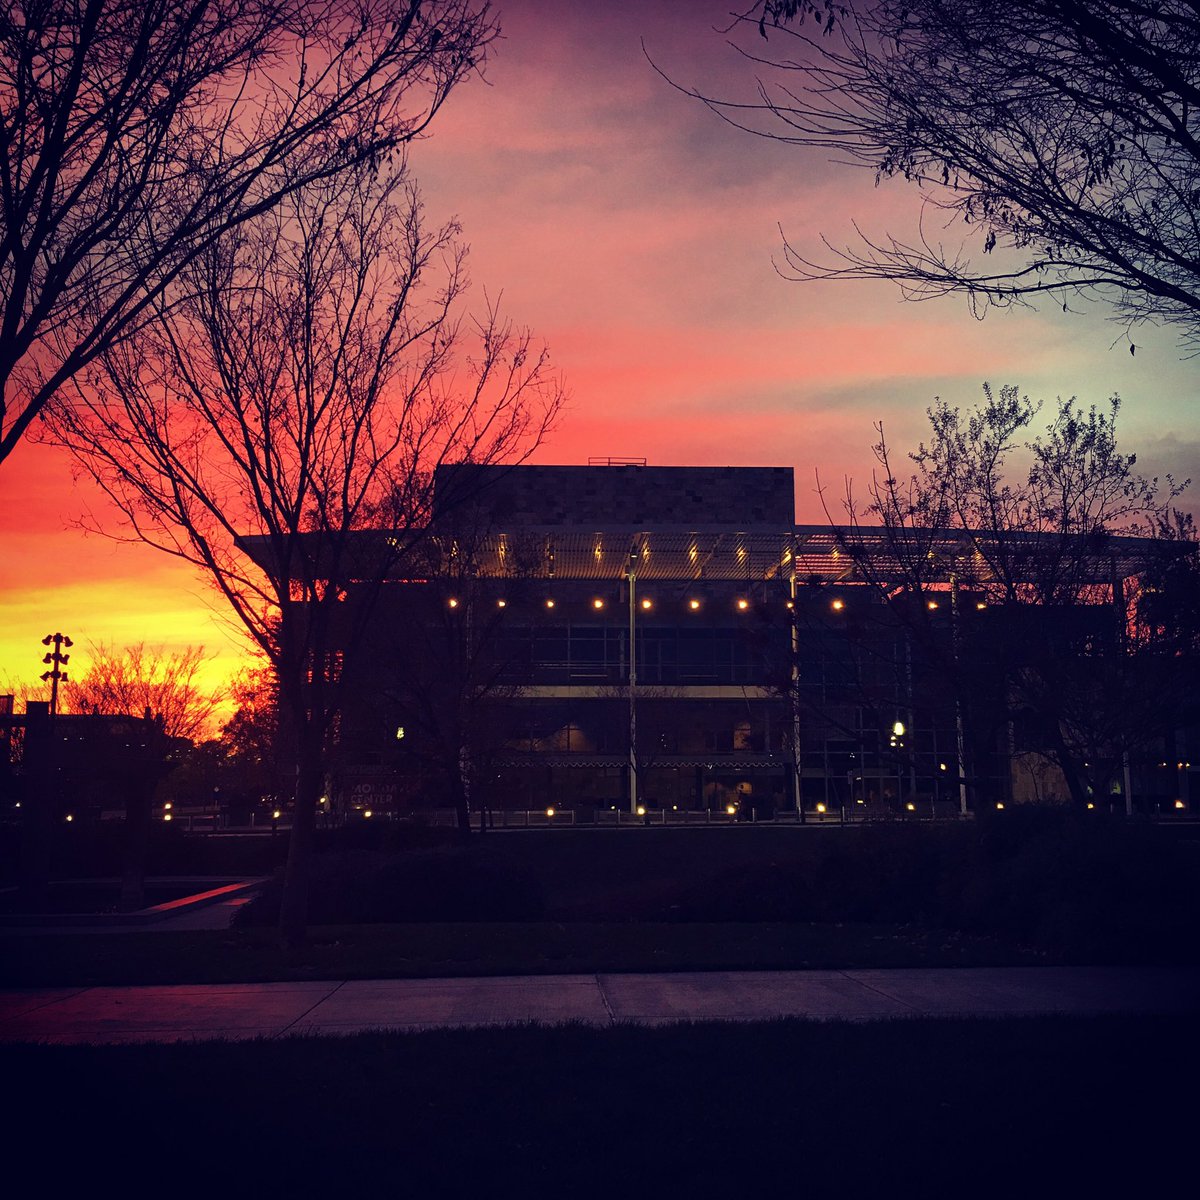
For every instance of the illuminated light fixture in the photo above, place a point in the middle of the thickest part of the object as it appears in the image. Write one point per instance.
(898, 728)
(911, 807)
(501, 603)
(1090, 804)
(791, 604)
(452, 602)
(694, 605)
(860, 802)
(675, 807)
(549, 603)
(1180, 804)
(597, 603)
(550, 812)
(731, 809)
(941, 766)
(743, 605)
(820, 808)
(980, 606)
(932, 605)
(999, 803)
(838, 605)
(399, 733)
(168, 805)
(70, 817)
(276, 815)
(368, 813)
(647, 603)
(641, 810)
(166, 817)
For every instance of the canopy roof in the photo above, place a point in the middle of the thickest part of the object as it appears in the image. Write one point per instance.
(816, 553)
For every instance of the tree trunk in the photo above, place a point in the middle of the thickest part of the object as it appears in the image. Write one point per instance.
(137, 836)
(293, 907)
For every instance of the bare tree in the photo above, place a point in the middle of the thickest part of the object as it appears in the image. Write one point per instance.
(136, 132)
(142, 678)
(1063, 135)
(1050, 561)
(281, 429)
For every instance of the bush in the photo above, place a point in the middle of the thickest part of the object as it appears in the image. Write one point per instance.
(356, 887)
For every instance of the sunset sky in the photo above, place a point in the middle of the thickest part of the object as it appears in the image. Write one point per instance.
(636, 233)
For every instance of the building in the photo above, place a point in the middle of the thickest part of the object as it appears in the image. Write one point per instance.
(624, 636)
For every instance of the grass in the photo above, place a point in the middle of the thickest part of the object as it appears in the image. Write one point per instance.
(1032, 1107)
(494, 948)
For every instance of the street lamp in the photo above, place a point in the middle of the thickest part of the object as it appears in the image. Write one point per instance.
(57, 660)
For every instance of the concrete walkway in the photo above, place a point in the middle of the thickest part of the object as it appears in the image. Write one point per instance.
(192, 1012)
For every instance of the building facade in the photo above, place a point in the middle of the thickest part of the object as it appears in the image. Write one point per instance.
(668, 638)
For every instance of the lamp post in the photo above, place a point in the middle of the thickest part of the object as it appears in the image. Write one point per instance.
(633, 763)
(57, 660)
(794, 692)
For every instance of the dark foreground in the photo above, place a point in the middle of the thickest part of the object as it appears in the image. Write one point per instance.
(1041, 1106)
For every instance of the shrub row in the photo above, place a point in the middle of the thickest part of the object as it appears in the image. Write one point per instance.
(1074, 887)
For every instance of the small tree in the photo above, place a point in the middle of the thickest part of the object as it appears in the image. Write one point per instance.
(136, 133)
(139, 678)
(281, 429)
(450, 673)
(1086, 688)
(1063, 137)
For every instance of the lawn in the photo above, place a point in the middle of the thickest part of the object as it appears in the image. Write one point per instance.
(1045, 1106)
(493, 948)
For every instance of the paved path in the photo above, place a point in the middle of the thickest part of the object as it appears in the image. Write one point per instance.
(191, 1012)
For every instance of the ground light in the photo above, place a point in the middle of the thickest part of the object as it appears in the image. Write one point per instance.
(641, 810)
(820, 808)
(549, 812)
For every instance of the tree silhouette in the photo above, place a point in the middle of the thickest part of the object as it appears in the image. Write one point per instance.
(137, 132)
(1063, 135)
(138, 678)
(281, 428)
(1034, 578)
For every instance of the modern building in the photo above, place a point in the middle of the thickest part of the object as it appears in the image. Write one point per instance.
(625, 636)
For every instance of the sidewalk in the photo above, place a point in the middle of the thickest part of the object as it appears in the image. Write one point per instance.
(196, 1012)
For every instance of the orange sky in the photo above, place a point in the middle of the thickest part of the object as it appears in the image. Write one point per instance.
(635, 233)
